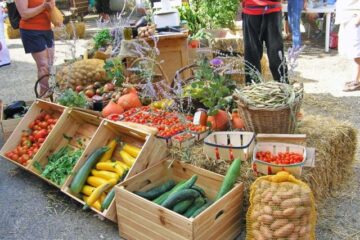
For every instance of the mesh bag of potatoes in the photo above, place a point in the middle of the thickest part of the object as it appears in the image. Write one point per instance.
(281, 207)
(81, 73)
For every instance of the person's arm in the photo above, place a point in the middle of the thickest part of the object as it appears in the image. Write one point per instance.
(26, 13)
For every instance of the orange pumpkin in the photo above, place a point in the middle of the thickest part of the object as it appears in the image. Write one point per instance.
(220, 121)
(236, 120)
(130, 100)
(112, 108)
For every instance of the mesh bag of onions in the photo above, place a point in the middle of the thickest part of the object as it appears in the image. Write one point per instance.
(281, 207)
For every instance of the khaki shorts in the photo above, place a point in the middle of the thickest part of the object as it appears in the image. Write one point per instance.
(349, 39)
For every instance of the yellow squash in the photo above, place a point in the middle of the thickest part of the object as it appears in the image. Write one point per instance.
(123, 165)
(132, 150)
(107, 155)
(96, 204)
(110, 166)
(96, 194)
(107, 175)
(127, 158)
(87, 190)
(95, 181)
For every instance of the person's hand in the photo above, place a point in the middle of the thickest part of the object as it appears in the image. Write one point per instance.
(49, 4)
(305, 4)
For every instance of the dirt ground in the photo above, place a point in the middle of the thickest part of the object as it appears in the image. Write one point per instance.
(32, 209)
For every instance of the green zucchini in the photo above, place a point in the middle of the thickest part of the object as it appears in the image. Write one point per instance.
(198, 203)
(81, 176)
(159, 200)
(201, 209)
(230, 178)
(179, 196)
(110, 196)
(157, 191)
(200, 190)
(182, 206)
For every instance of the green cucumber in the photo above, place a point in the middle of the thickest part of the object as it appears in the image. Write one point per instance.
(182, 206)
(200, 190)
(230, 178)
(110, 196)
(198, 203)
(179, 196)
(81, 176)
(159, 200)
(156, 191)
(201, 209)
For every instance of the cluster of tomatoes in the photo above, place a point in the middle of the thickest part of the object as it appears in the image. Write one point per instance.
(32, 139)
(280, 158)
(196, 128)
(183, 137)
(169, 131)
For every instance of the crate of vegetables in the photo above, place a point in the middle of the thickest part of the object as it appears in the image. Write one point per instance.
(57, 158)
(115, 153)
(198, 131)
(229, 145)
(175, 200)
(273, 157)
(183, 140)
(10, 116)
(32, 132)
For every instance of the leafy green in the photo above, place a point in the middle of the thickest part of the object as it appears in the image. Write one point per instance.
(102, 38)
(60, 164)
(114, 69)
(70, 98)
(211, 89)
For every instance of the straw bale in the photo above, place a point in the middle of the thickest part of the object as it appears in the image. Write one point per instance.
(10, 32)
(335, 144)
(68, 33)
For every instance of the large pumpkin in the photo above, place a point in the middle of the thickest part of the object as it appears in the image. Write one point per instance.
(220, 121)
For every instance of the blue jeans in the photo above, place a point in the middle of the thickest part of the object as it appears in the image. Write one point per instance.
(294, 15)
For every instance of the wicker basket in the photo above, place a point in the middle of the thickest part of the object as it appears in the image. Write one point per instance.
(265, 120)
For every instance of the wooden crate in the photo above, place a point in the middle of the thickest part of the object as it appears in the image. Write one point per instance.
(9, 125)
(152, 151)
(75, 128)
(139, 218)
(229, 145)
(36, 108)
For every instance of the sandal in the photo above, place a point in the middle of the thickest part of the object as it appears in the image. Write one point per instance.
(354, 86)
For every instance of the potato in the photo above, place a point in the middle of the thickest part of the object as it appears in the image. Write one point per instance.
(267, 210)
(266, 232)
(289, 212)
(265, 218)
(286, 194)
(267, 198)
(293, 236)
(299, 212)
(276, 199)
(257, 199)
(257, 235)
(284, 231)
(304, 220)
(279, 223)
(304, 230)
(255, 215)
(297, 229)
(305, 199)
(292, 202)
(278, 214)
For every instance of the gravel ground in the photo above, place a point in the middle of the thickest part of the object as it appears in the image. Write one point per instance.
(31, 209)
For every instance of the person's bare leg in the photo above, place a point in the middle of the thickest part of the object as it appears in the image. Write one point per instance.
(354, 85)
(357, 61)
(42, 64)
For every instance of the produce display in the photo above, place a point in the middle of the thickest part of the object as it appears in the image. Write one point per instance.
(187, 198)
(32, 139)
(81, 73)
(168, 123)
(281, 158)
(281, 207)
(60, 164)
(146, 31)
(269, 94)
(101, 172)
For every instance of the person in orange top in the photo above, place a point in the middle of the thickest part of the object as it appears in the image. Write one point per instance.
(37, 36)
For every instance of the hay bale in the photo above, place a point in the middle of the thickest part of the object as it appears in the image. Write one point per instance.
(67, 32)
(335, 144)
(11, 33)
